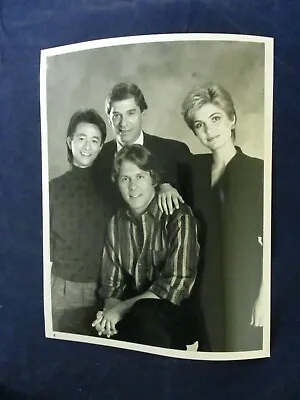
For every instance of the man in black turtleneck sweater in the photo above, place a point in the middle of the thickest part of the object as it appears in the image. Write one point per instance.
(77, 226)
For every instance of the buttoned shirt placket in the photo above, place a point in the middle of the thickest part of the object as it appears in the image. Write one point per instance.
(143, 253)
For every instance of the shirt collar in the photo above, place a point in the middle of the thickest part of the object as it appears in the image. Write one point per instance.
(152, 210)
(139, 140)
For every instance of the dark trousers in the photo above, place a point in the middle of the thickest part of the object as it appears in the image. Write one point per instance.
(149, 321)
(153, 322)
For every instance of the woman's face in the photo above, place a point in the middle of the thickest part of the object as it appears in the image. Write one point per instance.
(212, 126)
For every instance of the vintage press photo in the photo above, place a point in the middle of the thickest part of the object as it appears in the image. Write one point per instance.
(156, 162)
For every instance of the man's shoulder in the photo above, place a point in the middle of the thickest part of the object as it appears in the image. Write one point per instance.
(108, 148)
(184, 211)
(59, 181)
(202, 158)
(159, 139)
(109, 144)
(164, 142)
(202, 162)
(118, 216)
(60, 186)
(103, 162)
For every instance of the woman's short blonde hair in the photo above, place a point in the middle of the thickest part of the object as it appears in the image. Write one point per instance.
(210, 93)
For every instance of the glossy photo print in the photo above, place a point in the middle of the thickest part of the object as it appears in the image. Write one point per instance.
(156, 157)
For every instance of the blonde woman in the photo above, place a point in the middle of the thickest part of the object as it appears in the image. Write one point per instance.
(228, 189)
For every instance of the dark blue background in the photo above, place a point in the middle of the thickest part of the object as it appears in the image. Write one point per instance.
(43, 368)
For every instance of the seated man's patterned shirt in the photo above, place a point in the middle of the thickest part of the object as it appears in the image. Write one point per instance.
(154, 252)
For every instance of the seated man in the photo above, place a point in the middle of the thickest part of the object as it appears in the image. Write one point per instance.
(149, 262)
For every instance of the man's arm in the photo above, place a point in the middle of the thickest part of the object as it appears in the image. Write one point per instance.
(169, 153)
(110, 303)
(176, 279)
(125, 306)
(168, 198)
(114, 312)
(176, 186)
(174, 158)
(112, 278)
(112, 286)
(185, 174)
(180, 270)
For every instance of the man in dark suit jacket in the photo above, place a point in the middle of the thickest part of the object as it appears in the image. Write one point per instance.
(125, 107)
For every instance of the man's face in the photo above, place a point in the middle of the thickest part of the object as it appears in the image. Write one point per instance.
(136, 186)
(85, 144)
(126, 120)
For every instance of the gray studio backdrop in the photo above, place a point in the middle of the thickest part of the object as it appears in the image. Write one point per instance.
(165, 72)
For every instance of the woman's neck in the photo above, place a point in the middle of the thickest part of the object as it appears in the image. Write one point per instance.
(221, 158)
(223, 155)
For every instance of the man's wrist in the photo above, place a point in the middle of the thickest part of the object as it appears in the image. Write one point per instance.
(111, 303)
(121, 308)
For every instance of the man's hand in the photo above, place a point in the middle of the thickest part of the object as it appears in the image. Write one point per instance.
(168, 198)
(113, 312)
(106, 321)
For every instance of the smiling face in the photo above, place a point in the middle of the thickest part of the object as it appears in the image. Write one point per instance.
(85, 144)
(212, 126)
(126, 119)
(136, 186)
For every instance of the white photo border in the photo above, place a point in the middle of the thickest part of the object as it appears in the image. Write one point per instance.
(268, 118)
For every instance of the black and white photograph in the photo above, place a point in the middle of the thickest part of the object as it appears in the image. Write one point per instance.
(156, 160)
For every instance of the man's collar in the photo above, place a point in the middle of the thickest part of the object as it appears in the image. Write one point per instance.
(152, 210)
(140, 140)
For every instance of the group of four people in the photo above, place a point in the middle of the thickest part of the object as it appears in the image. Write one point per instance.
(135, 220)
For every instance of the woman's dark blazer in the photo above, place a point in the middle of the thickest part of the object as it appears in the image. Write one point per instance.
(233, 212)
